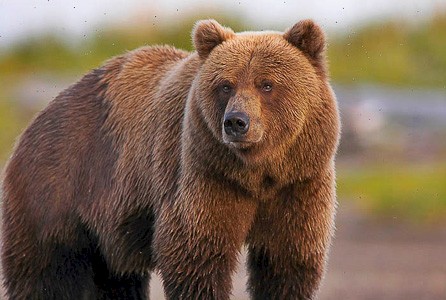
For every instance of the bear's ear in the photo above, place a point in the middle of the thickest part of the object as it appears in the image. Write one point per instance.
(207, 34)
(308, 37)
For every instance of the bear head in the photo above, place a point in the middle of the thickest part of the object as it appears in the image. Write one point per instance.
(255, 89)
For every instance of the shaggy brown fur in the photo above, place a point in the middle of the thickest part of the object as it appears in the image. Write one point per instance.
(132, 169)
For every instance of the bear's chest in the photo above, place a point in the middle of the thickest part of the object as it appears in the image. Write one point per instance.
(263, 186)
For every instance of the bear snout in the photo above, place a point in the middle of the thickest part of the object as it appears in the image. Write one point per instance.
(236, 124)
(240, 130)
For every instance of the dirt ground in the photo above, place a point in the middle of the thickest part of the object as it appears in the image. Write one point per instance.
(387, 260)
(373, 260)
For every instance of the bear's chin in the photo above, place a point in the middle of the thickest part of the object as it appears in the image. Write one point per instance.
(250, 153)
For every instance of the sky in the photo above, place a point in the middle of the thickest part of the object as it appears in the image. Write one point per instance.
(20, 19)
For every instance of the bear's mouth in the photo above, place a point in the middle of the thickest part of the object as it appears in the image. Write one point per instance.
(242, 145)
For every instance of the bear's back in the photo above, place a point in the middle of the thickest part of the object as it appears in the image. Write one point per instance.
(68, 157)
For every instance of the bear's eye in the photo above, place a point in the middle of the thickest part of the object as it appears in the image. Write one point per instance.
(267, 87)
(226, 88)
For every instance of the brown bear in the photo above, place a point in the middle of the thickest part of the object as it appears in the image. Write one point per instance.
(173, 161)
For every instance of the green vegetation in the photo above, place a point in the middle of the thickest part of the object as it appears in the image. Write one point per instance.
(414, 193)
(394, 53)
(51, 53)
(11, 123)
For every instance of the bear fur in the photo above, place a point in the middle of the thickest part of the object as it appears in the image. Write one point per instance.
(173, 161)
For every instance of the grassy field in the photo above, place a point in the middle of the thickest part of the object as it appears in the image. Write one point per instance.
(416, 193)
(395, 53)
(12, 122)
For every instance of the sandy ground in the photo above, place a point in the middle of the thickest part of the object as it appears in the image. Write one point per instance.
(373, 260)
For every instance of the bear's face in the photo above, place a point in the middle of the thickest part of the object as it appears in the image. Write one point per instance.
(255, 89)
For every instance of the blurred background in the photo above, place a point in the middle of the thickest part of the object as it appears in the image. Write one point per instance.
(388, 69)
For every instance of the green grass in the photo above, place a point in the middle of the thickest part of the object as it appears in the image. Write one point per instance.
(394, 53)
(413, 193)
(11, 123)
(51, 53)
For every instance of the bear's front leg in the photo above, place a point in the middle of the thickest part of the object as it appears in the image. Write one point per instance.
(198, 237)
(289, 241)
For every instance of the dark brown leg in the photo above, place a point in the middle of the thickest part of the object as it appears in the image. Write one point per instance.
(198, 239)
(289, 241)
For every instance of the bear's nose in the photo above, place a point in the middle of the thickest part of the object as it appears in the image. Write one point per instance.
(236, 123)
